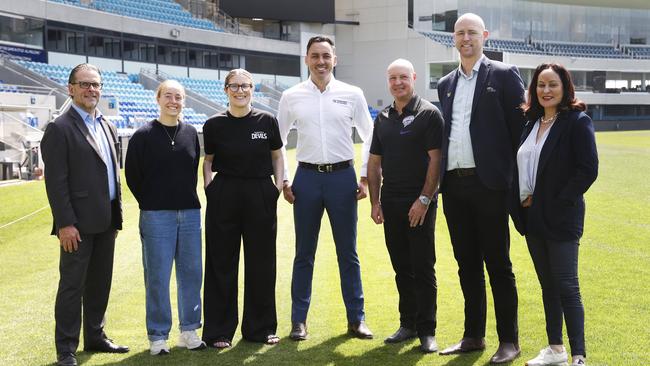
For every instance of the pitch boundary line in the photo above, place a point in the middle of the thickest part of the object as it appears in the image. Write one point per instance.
(24, 217)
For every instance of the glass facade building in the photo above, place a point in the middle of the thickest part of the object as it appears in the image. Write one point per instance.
(523, 19)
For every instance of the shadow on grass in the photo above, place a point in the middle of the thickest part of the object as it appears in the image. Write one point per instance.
(464, 359)
(287, 352)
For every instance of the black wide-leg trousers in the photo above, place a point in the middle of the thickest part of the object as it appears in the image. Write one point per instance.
(240, 208)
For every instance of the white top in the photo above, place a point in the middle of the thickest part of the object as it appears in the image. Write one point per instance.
(528, 161)
(324, 122)
(460, 153)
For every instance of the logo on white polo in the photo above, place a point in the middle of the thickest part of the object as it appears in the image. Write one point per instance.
(258, 135)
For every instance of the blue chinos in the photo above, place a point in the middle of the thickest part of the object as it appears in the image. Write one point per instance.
(335, 192)
(168, 236)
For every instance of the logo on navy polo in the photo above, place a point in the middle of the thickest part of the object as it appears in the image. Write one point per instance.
(408, 120)
(338, 101)
(258, 135)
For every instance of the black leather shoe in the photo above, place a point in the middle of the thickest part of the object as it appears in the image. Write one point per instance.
(66, 359)
(401, 335)
(464, 346)
(506, 353)
(428, 344)
(359, 330)
(105, 346)
(298, 331)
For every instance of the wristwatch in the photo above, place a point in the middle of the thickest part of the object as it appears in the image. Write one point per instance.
(425, 200)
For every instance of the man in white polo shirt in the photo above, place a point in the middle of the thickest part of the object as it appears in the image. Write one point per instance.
(324, 112)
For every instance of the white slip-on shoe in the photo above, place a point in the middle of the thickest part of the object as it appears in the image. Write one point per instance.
(158, 347)
(548, 357)
(190, 340)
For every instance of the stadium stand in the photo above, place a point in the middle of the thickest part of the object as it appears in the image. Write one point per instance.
(213, 89)
(638, 52)
(8, 88)
(136, 104)
(581, 50)
(164, 11)
(548, 48)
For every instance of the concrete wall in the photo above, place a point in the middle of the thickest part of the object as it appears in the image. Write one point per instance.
(42, 108)
(365, 50)
(97, 19)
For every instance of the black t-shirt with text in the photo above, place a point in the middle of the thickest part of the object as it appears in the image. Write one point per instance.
(242, 145)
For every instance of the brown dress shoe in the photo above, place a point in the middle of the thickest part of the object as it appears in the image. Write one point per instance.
(359, 330)
(506, 353)
(464, 346)
(298, 331)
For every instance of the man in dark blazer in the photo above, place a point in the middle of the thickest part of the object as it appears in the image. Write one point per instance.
(83, 188)
(481, 106)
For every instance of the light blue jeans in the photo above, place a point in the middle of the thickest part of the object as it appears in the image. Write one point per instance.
(168, 236)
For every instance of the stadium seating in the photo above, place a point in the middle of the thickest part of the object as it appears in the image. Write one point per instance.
(164, 11)
(549, 48)
(136, 104)
(638, 52)
(373, 112)
(8, 88)
(212, 89)
(582, 50)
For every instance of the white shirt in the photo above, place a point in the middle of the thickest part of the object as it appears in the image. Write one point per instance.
(528, 161)
(460, 153)
(324, 122)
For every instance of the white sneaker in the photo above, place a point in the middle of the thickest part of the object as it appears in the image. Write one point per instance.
(548, 357)
(158, 347)
(579, 362)
(190, 340)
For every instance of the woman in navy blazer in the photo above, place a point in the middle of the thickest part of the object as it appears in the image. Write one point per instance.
(557, 162)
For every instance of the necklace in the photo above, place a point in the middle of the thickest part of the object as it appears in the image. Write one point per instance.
(171, 139)
(550, 120)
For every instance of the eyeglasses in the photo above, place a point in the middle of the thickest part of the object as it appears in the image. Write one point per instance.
(87, 85)
(234, 87)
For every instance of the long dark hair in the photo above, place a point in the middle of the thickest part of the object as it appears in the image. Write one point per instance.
(569, 102)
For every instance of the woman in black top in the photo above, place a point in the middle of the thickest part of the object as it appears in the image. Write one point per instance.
(242, 146)
(557, 162)
(161, 170)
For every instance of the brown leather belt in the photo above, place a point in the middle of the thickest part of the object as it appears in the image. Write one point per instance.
(462, 172)
(326, 168)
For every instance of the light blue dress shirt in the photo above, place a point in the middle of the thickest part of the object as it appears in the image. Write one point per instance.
(98, 134)
(460, 153)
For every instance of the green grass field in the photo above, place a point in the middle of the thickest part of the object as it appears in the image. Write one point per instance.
(614, 273)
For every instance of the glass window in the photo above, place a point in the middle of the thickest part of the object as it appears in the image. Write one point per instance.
(164, 55)
(55, 40)
(195, 58)
(74, 42)
(131, 51)
(179, 56)
(225, 61)
(22, 30)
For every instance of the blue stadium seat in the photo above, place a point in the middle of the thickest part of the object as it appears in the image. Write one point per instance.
(164, 11)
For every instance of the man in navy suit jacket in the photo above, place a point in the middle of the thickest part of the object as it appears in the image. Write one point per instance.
(82, 180)
(481, 106)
